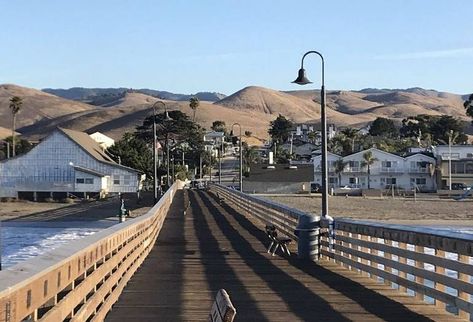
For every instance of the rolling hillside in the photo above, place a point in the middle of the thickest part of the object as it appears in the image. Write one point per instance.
(253, 107)
(37, 106)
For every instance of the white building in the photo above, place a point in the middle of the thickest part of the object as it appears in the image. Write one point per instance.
(214, 141)
(104, 141)
(65, 162)
(388, 170)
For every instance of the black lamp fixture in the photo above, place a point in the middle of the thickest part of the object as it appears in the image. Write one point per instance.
(303, 80)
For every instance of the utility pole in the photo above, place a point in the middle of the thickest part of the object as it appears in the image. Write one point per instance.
(450, 160)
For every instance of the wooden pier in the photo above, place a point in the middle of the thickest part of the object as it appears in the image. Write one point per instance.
(216, 246)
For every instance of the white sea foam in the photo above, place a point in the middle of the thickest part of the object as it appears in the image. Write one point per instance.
(21, 243)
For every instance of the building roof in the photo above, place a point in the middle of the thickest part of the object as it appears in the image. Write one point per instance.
(90, 146)
(281, 173)
(89, 171)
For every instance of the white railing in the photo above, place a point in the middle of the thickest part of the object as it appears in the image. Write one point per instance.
(427, 262)
(418, 170)
(391, 170)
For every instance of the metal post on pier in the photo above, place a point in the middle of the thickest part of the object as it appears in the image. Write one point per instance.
(308, 231)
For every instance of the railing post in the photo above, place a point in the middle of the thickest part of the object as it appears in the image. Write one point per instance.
(307, 231)
(440, 287)
(464, 278)
(419, 279)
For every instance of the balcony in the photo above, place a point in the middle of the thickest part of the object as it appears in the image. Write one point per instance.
(329, 169)
(354, 169)
(391, 170)
(418, 170)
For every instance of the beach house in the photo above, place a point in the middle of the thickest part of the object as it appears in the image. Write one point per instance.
(66, 163)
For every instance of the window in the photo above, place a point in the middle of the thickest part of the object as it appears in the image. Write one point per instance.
(389, 180)
(469, 155)
(469, 167)
(126, 180)
(116, 181)
(80, 180)
(332, 180)
(352, 180)
(421, 181)
(89, 180)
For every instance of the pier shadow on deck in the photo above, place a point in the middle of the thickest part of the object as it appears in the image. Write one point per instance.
(217, 246)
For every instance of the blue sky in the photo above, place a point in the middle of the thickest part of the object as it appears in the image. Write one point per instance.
(189, 46)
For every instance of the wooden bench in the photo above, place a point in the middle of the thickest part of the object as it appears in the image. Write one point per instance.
(276, 241)
(222, 308)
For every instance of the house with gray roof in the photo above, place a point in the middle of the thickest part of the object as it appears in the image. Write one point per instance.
(66, 162)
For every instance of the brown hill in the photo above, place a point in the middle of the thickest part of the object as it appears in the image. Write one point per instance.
(253, 107)
(37, 105)
(4, 133)
(116, 120)
(132, 99)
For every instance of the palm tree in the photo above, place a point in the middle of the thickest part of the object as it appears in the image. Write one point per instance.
(250, 155)
(15, 106)
(194, 104)
(339, 166)
(351, 134)
(369, 159)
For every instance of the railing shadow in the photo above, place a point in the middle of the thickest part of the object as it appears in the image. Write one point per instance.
(373, 302)
(301, 301)
(155, 292)
(218, 272)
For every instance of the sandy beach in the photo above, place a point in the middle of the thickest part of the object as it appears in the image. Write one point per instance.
(78, 211)
(441, 212)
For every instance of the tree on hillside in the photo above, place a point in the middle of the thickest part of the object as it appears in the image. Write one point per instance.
(446, 124)
(433, 129)
(368, 160)
(339, 166)
(15, 106)
(194, 104)
(383, 127)
(219, 126)
(469, 106)
(279, 129)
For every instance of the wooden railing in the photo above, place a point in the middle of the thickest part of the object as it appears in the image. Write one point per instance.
(82, 280)
(431, 264)
(291, 222)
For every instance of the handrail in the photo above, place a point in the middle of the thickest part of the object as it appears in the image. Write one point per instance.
(291, 222)
(408, 256)
(81, 280)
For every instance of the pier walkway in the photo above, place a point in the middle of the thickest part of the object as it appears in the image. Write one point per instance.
(214, 245)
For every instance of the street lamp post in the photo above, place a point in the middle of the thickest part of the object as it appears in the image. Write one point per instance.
(303, 80)
(220, 162)
(241, 158)
(155, 159)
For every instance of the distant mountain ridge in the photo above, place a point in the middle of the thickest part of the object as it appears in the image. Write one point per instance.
(90, 95)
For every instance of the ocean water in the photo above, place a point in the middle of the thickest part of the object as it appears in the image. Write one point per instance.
(22, 240)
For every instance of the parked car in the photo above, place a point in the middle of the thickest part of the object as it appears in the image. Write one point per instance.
(315, 187)
(459, 186)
